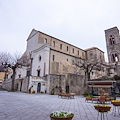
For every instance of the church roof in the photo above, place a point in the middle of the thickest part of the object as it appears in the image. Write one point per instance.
(93, 48)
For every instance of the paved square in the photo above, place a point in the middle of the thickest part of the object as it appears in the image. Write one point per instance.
(24, 106)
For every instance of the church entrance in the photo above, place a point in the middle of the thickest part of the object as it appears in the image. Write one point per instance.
(39, 88)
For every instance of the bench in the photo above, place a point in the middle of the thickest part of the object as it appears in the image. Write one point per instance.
(68, 95)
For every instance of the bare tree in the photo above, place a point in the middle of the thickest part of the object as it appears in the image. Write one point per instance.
(9, 61)
(87, 66)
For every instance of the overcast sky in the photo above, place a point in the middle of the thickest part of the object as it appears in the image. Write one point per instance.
(78, 22)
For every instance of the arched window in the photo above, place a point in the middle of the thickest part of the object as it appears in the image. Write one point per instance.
(67, 48)
(115, 57)
(73, 50)
(39, 58)
(53, 43)
(60, 46)
(112, 40)
(45, 40)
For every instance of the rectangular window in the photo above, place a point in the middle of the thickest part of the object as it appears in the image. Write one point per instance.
(53, 43)
(82, 54)
(28, 73)
(73, 50)
(60, 46)
(78, 52)
(38, 73)
(19, 75)
(67, 48)
(53, 57)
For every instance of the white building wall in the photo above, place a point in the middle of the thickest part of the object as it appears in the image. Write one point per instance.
(21, 71)
(32, 44)
(43, 51)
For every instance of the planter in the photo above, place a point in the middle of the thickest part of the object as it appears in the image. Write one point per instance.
(61, 118)
(107, 99)
(112, 98)
(102, 109)
(88, 98)
(116, 103)
(29, 91)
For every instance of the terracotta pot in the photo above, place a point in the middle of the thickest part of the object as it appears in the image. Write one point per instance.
(111, 98)
(116, 103)
(102, 109)
(57, 118)
(29, 91)
(95, 99)
(88, 98)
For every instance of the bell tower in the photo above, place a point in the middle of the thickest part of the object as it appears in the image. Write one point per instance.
(113, 45)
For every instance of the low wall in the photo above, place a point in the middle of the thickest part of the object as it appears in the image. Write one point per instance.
(70, 83)
(7, 84)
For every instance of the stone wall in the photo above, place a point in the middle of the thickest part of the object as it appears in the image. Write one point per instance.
(7, 84)
(97, 91)
(57, 82)
(70, 83)
(76, 83)
(118, 70)
(24, 87)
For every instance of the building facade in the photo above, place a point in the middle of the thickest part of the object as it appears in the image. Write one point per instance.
(53, 63)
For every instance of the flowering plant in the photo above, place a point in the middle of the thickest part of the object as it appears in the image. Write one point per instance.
(101, 105)
(61, 114)
(102, 108)
(115, 101)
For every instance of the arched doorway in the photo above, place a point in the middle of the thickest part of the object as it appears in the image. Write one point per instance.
(39, 88)
(67, 89)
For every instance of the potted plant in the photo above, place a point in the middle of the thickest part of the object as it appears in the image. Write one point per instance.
(102, 108)
(61, 115)
(30, 89)
(88, 98)
(116, 102)
(33, 91)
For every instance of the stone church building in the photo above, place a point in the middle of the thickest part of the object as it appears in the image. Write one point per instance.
(53, 63)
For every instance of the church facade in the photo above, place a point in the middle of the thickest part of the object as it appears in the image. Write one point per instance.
(53, 63)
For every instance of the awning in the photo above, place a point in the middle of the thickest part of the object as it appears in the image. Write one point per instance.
(103, 84)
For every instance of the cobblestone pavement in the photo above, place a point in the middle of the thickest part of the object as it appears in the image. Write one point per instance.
(24, 106)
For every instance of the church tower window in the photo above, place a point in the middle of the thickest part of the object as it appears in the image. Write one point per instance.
(112, 40)
(115, 57)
